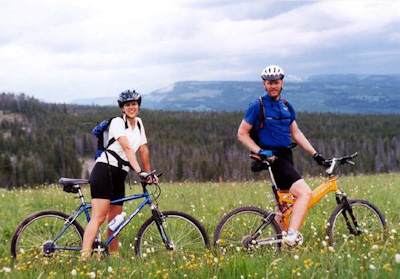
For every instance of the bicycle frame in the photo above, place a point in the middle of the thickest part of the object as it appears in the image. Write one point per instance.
(84, 208)
(317, 194)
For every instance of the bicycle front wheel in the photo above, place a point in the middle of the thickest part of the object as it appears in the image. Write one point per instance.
(185, 234)
(235, 232)
(371, 223)
(35, 235)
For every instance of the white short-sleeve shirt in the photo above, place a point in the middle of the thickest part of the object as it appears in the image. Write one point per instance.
(135, 137)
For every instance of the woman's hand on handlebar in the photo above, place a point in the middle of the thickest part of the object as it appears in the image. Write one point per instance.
(149, 178)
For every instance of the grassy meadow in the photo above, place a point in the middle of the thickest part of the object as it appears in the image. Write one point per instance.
(208, 202)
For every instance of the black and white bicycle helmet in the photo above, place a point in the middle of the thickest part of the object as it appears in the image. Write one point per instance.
(272, 72)
(129, 96)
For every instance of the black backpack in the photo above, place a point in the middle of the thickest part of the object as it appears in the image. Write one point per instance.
(104, 142)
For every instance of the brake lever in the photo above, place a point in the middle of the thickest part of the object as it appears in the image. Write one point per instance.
(351, 162)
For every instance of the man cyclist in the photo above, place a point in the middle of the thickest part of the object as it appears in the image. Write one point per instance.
(275, 137)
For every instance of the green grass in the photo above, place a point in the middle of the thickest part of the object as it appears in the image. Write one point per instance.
(208, 202)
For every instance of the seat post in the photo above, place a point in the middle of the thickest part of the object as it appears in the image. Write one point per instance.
(273, 186)
(81, 197)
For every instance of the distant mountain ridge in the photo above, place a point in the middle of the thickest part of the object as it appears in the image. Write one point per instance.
(367, 94)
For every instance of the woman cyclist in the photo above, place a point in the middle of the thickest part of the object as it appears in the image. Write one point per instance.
(107, 180)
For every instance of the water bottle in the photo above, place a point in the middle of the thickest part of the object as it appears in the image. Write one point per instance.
(116, 222)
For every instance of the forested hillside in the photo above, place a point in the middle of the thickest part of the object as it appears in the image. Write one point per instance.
(40, 142)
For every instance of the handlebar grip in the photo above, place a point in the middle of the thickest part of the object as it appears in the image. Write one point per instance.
(255, 157)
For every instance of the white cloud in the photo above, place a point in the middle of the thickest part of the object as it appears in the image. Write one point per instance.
(62, 50)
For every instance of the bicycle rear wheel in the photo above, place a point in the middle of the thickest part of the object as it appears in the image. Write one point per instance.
(183, 231)
(370, 220)
(35, 235)
(234, 231)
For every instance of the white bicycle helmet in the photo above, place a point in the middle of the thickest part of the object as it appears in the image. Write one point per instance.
(272, 72)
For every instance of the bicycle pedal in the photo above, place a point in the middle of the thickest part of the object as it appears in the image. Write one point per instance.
(293, 239)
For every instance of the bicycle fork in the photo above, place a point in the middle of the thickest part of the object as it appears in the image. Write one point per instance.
(348, 209)
(159, 218)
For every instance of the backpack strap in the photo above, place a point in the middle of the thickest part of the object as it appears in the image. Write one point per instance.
(120, 161)
(288, 105)
(262, 116)
(139, 126)
(112, 140)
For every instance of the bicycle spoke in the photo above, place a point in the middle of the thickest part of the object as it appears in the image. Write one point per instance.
(236, 229)
(41, 229)
(369, 222)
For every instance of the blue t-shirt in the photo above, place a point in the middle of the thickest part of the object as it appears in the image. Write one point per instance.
(278, 117)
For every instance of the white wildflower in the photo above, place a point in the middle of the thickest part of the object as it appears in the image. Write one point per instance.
(397, 258)
(374, 247)
(6, 269)
(296, 257)
(92, 275)
(330, 248)
(73, 272)
(109, 269)
(372, 267)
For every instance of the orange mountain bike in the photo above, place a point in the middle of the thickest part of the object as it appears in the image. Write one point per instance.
(252, 228)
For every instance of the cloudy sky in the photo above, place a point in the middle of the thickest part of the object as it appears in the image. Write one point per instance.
(59, 51)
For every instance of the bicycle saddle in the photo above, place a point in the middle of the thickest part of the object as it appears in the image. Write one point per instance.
(72, 181)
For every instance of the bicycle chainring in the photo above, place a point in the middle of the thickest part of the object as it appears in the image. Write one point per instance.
(100, 250)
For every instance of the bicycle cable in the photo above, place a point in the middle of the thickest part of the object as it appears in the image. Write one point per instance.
(158, 191)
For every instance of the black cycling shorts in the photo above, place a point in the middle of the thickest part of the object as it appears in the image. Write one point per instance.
(100, 182)
(284, 171)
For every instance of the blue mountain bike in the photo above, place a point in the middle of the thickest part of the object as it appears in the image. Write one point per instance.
(51, 232)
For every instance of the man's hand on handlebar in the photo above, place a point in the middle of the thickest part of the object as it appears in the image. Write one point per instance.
(266, 155)
(320, 160)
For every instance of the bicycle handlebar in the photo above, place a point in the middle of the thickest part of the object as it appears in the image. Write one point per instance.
(332, 163)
